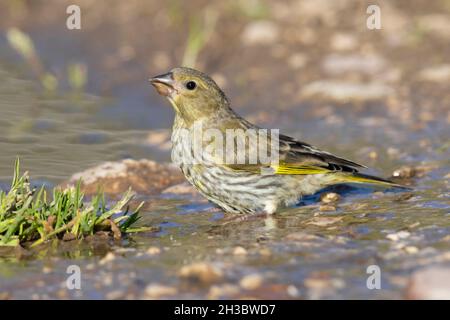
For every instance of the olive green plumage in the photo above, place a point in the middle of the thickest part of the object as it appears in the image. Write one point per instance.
(302, 169)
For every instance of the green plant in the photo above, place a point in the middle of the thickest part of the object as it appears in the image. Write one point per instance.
(200, 31)
(27, 214)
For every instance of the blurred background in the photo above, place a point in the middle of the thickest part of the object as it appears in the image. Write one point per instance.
(73, 99)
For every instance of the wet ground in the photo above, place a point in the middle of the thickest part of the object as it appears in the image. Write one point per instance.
(379, 99)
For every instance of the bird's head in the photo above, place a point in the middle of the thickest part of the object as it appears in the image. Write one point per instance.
(192, 93)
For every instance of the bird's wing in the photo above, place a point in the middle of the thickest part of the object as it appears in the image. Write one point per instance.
(296, 157)
(294, 152)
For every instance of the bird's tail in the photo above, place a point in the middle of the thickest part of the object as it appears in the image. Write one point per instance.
(368, 179)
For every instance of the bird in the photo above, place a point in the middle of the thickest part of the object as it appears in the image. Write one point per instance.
(247, 186)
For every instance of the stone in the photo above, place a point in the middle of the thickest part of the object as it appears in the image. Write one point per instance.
(143, 176)
(251, 281)
(201, 272)
(260, 32)
(330, 197)
(429, 283)
(239, 251)
(156, 291)
(342, 92)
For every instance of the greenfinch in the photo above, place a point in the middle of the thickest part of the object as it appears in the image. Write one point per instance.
(250, 185)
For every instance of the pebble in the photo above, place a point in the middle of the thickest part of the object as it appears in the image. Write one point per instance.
(407, 172)
(439, 74)
(411, 249)
(251, 281)
(47, 270)
(297, 61)
(266, 252)
(225, 290)
(143, 176)
(301, 236)
(404, 172)
(115, 295)
(429, 283)
(327, 207)
(153, 251)
(398, 235)
(239, 251)
(202, 272)
(341, 92)
(184, 188)
(109, 257)
(156, 291)
(436, 24)
(260, 32)
(324, 221)
(343, 42)
(330, 197)
(292, 291)
(341, 64)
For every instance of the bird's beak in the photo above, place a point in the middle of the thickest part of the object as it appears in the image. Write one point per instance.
(164, 84)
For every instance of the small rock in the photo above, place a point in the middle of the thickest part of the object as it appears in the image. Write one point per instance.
(436, 24)
(341, 64)
(201, 272)
(115, 295)
(156, 291)
(407, 172)
(317, 283)
(324, 221)
(184, 188)
(153, 251)
(414, 225)
(330, 197)
(343, 42)
(430, 283)
(346, 91)
(404, 172)
(260, 32)
(411, 249)
(373, 155)
(107, 279)
(225, 290)
(143, 176)
(404, 197)
(251, 281)
(301, 236)
(378, 194)
(297, 61)
(5, 296)
(358, 206)
(398, 235)
(266, 252)
(239, 251)
(439, 74)
(47, 270)
(107, 258)
(327, 207)
(292, 291)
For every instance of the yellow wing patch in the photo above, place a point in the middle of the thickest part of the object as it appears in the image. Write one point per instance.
(300, 170)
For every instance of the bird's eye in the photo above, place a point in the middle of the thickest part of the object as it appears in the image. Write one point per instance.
(190, 85)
